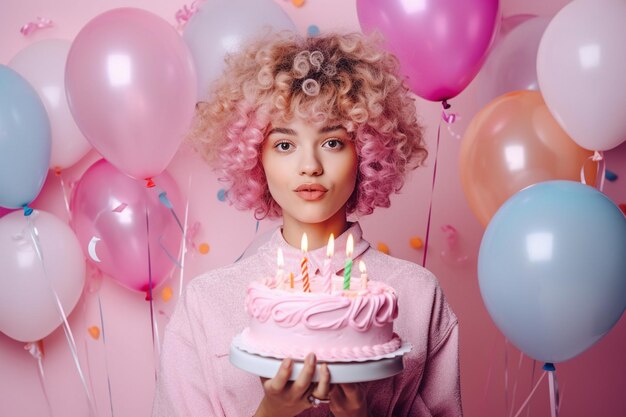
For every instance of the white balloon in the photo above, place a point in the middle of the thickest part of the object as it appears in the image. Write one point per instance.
(42, 64)
(581, 67)
(221, 27)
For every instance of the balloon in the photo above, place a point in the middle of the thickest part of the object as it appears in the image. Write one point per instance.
(218, 28)
(24, 140)
(131, 87)
(551, 269)
(512, 143)
(512, 63)
(508, 23)
(109, 217)
(28, 308)
(581, 64)
(4, 211)
(441, 44)
(43, 65)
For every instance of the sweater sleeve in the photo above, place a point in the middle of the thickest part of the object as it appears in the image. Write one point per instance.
(183, 386)
(440, 388)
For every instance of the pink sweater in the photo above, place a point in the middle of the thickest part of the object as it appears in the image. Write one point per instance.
(196, 378)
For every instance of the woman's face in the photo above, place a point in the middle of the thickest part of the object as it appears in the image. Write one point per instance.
(311, 170)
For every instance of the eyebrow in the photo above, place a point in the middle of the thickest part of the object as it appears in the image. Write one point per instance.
(287, 131)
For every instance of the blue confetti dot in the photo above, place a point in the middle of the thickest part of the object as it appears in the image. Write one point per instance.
(221, 194)
(610, 175)
(313, 30)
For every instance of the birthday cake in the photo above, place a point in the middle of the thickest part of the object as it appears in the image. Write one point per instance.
(335, 319)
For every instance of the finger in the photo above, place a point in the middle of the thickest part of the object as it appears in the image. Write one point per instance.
(303, 381)
(322, 389)
(336, 394)
(281, 378)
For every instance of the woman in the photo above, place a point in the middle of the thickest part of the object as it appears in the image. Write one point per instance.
(313, 130)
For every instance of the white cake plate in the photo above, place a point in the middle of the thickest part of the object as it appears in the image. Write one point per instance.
(340, 372)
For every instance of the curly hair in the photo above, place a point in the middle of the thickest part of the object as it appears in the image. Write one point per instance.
(346, 79)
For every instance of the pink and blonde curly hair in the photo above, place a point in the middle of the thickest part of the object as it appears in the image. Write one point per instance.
(346, 79)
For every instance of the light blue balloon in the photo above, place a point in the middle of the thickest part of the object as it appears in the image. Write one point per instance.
(24, 140)
(552, 268)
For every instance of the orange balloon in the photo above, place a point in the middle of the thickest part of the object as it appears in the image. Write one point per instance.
(512, 143)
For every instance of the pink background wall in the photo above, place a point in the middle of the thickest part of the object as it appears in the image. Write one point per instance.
(495, 377)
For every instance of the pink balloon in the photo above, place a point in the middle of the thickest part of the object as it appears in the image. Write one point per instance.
(28, 309)
(4, 211)
(131, 87)
(441, 44)
(109, 217)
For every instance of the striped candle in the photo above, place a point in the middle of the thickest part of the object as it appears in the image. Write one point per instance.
(327, 274)
(304, 265)
(347, 271)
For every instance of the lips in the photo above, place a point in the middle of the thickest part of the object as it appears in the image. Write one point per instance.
(311, 192)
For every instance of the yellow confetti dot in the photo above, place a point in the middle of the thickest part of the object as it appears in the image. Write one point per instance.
(297, 3)
(166, 293)
(204, 248)
(416, 242)
(94, 331)
(383, 248)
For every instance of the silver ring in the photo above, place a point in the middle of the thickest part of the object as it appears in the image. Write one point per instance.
(315, 402)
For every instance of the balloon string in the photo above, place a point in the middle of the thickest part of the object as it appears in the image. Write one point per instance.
(506, 375)
(155, 345)
(106, 360)
(554, 389)
(35, 351)
(59, 174)
(183, 243)
(34, 235)
(532, 379)
(31, 27)
(167, 203)
(491, 355)
(185, 13)
(432, 190)
(519, 412)
(597, 157)
(519, 367)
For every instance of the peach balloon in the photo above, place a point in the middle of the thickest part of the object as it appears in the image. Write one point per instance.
(512, 143)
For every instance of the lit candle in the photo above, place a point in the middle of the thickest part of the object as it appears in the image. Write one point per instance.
(327, 274)
(348, 269)
(363, 275)
(280, 262)
(304, 267)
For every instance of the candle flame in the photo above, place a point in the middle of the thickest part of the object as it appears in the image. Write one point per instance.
(330, 249)
(280, 261)
(362, 267)
(350, 246)
(304, 244)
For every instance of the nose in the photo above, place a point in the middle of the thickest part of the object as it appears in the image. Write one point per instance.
(310, 164)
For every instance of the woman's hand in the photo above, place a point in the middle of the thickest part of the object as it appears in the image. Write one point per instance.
(285, 398)
(348, 400)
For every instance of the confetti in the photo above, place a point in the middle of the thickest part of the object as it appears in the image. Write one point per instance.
(623, 208)
(204, 248)
(94, 331)
(313, 30)
(221, 194)
(166, 293)
(383, 248)
(297, 3)
(416, 242)
(610, 175)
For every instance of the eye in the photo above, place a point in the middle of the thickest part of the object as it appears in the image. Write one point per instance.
(283, 146)
(333, 144)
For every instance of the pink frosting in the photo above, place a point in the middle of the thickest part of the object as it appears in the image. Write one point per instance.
(352, 324)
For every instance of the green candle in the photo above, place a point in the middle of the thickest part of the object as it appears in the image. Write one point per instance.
(348, 269)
